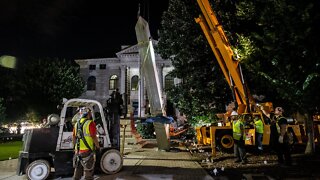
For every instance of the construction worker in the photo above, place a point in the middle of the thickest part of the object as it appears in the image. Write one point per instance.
(258, 124)
(85, 144)
(239, 138)
(115, 105)
(279, 134)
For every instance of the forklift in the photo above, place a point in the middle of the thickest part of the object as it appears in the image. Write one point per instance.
(50, 149)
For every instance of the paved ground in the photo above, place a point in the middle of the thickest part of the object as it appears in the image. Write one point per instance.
(139, 164)
(153, 164)
(8, 170)
(150, 164)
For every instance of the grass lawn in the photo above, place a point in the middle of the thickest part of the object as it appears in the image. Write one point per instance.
(10, 149)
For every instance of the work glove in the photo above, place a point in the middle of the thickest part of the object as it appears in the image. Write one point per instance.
(281, 139)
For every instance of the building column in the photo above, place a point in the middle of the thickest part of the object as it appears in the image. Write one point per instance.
(122, 79)
(141, 110)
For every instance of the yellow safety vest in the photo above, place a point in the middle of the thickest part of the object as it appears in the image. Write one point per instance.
(259, 126)
(86, 135)
(237, 130)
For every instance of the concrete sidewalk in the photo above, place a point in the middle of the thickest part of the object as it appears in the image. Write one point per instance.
(152, 164)
(139, 164)
(8, 170)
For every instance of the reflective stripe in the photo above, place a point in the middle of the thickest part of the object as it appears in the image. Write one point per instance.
(278, 127)
(87, 130)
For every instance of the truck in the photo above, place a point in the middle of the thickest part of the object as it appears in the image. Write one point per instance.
(221, 136)
(51, 147)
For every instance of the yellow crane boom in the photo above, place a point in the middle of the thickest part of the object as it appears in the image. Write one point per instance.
(222, 50)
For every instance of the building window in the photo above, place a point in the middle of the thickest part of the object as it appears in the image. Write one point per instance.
(91, 83)
(113, 82)
(168, 82)
(103, 66)
(134, 83)
(92, 67)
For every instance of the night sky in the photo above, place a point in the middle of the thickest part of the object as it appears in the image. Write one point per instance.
(73, 29)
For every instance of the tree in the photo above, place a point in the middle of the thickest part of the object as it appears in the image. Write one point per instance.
(12, 91)
(47, 81)
(37, 86)
(2, 111)
(286, 47)
(203, 90)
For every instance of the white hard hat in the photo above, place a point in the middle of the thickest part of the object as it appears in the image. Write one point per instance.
(234, 113)
(83, 109)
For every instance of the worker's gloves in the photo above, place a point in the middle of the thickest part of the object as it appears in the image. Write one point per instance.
(281, 139)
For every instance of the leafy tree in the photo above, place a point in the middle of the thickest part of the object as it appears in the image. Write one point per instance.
(12, 92)
(203, 90)
(32, 116)
(285, 56)
(47, 81)
(37, 86)
(2, 111)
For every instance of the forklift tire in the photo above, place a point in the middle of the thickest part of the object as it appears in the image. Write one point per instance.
(38, 170)
(111, 161)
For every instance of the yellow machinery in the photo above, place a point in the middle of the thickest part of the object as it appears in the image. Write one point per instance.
(222, 135)
(221, 48)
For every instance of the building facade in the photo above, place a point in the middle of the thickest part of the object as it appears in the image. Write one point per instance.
(105, 75)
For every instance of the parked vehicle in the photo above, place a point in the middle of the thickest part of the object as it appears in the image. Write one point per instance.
(4, 131)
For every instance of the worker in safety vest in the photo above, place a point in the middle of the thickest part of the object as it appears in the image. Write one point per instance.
(239, 139)
(85, 144)
(258, 124)
(279, 134)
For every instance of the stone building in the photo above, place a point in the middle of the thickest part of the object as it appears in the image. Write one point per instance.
(105, 75)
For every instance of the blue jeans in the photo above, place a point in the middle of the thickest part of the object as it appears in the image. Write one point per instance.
(259, 137)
